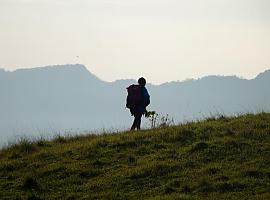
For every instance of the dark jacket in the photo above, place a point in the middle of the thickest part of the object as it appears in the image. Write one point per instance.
(146, 101)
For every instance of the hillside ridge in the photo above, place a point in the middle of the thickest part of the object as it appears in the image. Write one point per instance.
(218, 158)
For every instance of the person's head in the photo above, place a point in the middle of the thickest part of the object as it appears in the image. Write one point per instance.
(142, 81)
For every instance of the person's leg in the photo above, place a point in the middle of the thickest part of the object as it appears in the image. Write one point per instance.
(132, 111)
(137, 121)
(134, 124)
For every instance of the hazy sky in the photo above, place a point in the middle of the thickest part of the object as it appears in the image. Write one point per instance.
(162, 40)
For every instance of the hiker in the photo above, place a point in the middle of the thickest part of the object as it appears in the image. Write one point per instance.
(137, 101)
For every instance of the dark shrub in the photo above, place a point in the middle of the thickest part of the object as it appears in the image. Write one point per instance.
(29, 183)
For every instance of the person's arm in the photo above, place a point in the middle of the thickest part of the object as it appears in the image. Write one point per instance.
(146, 97)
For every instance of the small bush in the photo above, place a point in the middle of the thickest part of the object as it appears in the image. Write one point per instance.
(158, 121)
(165, 121)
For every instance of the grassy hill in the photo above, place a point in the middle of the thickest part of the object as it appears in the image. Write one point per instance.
(224, 158)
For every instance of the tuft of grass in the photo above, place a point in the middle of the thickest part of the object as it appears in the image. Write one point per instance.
(26, 146)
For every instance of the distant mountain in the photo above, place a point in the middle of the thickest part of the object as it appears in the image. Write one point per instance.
(52, 99)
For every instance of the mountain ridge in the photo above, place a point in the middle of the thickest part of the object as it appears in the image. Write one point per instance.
(72, 98)
(83, 68)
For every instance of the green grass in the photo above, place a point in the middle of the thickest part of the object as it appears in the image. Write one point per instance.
(224, 158)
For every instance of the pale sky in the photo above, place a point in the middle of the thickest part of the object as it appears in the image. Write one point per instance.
(163, 40)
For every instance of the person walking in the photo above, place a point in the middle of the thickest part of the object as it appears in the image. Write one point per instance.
(137, 100)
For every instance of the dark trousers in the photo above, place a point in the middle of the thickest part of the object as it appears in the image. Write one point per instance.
(137, 121)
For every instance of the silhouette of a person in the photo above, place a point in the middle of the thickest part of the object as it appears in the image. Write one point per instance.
(140, 109)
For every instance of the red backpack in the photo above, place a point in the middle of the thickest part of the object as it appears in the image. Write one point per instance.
(134, 97)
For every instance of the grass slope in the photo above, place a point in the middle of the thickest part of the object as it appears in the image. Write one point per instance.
(225, 158)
